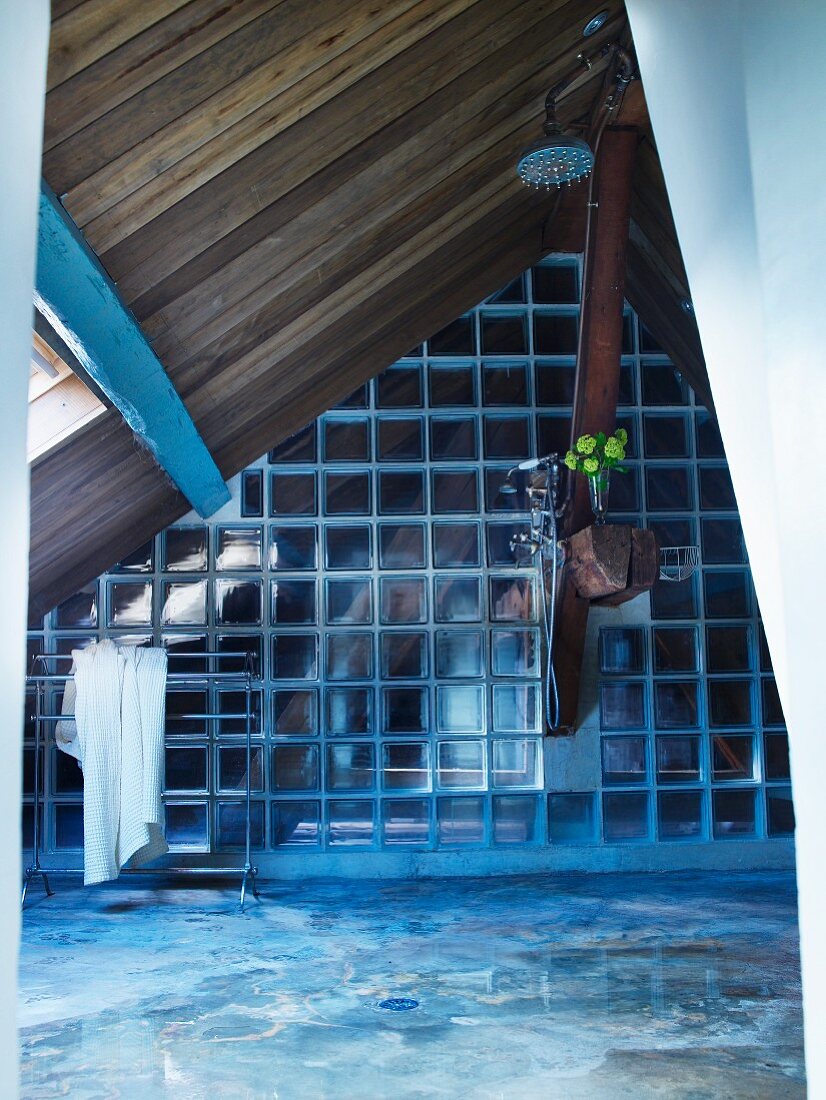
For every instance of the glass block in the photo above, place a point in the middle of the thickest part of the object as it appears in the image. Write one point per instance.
(674, 532)
(351, 767)
(662, 385)
(722, 542)
(674, 601)
(512, 599)
(675, 704)
(187, 825)
(460, 708)
(27, 825)
(298, 448)
(678, 759)
(630, 423)
(406, 766)
(716, 490)
(67, 642)
(665, 436)
(403, 655)
(771, 707)
(517, 708)
(238, 548)
(625, 491)
(555, 333)
(679, 815)
(403, 600)
(555, 284)
(517, 762)
(247, 644)
(455, 491)
(513, 292)
(184, 651)
(453, 439)
(555, 383)
(623, 760)
(507, 436)
(648, 341)
(347, 546)
(346, 439)
(667, 488)
(130, 604)
(80, 610)
(238, 602)
(252, 494)
(401, 546)
(572, 818)
(293, 602)
(457, 338)
(186, 768)
(729, 702)
(405, 710)
(625, 815)
(400, 387)
(728, 648)
(184, 603)
(185, 549)
(460, 820)
(732, 757)
(452, 385)
(68, 826)
(233, 703)
(727, 594)
(459, 653)
(504, 334)
(779, 811)
(358, 399)
(515, 653)
(230, 822)
(232, 768)
(626, 394)
(498, 501)
(553, 433)
(777, 756)
(763, 645)
(294, 657)
(455, 545)
(628, 327)
(406, 820)
(499, 536)
(346, 494)
(621, 649)
(457, 599)
(515, 819)
(293, 548)
(293, 494)
(707, 434)
(400, 439)
(67, 774)
(622, 705)
(139, 561)
(295, 711)
(349, 601)
(350, 823)
(505, 385)
(349, 711)
(401, 492)
(296, 823)
(733, 813)
(349, 656)
(461, 764)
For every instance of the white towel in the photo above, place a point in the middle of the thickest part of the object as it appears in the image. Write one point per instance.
(118, 736)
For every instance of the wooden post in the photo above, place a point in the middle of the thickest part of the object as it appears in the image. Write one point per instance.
(597, 377)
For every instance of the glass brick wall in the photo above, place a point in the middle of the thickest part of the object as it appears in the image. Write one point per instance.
(366, 562)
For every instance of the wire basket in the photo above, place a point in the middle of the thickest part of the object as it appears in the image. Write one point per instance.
(677, 563)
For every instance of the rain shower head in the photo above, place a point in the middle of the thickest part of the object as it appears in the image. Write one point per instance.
(555, 159)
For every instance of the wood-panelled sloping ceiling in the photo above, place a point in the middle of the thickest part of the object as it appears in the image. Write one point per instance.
(289, 196)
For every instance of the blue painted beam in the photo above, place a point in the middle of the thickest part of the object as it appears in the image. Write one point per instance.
(83, 305)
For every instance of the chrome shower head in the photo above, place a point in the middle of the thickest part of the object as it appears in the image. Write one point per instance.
(555, 159)
(508, 488)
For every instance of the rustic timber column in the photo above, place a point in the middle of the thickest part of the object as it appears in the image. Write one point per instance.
(597, 377)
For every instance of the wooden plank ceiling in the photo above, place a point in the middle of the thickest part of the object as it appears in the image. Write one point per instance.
(289, 197)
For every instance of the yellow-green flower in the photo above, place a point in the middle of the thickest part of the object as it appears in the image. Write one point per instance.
(591, 465)
(570, 460)
(613, 447)
(621, 435)
(585, 444)
(621, 454)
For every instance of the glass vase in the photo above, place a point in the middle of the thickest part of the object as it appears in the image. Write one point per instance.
(598, 487)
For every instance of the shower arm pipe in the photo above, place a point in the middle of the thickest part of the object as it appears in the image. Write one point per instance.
(583, 63)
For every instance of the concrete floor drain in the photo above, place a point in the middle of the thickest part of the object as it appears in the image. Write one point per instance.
(398, 1004)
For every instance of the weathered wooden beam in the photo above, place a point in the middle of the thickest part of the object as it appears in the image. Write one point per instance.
(83, 305)
(597, 382)
(599, 560)
(643, 569)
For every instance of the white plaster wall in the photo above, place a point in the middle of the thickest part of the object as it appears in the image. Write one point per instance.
(24, 36)
(736, 99)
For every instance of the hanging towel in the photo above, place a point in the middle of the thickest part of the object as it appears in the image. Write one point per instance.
(119, 696)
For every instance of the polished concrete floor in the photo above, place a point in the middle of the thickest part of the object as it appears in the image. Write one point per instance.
(572, 987)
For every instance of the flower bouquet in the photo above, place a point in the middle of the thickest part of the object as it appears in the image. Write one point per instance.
(595, 456)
